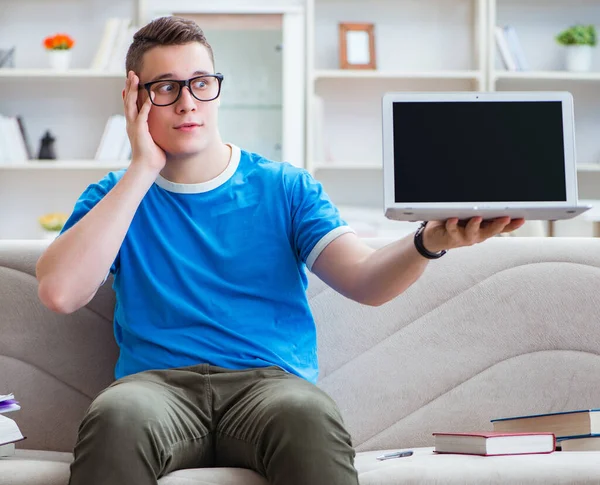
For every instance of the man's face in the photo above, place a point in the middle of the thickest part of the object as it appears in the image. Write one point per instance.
(180, 62)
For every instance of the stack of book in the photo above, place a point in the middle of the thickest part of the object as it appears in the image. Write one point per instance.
(574, 430)
(9, 430)
(511, 51)
(536, 433)
(112, 50)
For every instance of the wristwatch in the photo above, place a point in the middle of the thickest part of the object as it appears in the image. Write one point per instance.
(421, 248)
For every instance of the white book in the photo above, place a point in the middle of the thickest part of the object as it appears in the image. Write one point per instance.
(102, 140)
(123, 41)
(516, 48)
(112, 139)
(9, 153)
(20, 150)
(107, 43)
(7, 450)
(9, 431)
(318, 130)
(502, 44)
(4, 155)
(125, 153)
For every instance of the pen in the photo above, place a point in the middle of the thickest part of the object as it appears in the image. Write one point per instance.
(395, 454)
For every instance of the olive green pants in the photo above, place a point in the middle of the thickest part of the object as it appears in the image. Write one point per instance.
(146, 425)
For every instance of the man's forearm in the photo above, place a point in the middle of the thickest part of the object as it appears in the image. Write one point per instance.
(73, 266)
(390, 270)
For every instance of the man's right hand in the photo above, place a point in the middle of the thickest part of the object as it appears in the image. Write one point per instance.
(144, 150)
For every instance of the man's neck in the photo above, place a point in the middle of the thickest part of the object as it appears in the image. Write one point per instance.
(199, 168)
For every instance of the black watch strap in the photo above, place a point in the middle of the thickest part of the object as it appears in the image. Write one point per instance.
(421, 248)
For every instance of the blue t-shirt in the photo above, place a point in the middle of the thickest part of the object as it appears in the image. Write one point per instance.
(215, 272)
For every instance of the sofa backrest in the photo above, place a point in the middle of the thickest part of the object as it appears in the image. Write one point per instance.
(507, 327)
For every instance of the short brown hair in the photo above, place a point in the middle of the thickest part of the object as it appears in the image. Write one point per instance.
(163, 31)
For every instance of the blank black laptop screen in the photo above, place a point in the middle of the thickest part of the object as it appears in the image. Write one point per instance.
(509, 151)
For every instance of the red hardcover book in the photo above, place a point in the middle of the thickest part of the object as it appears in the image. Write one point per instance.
(490, 443)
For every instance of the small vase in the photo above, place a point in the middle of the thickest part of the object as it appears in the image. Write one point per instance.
(579, 58)
(59, 59)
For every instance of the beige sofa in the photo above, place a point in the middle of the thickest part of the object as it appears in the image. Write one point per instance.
(511, 326)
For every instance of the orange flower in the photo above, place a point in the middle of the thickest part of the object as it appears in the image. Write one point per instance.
(59, 41)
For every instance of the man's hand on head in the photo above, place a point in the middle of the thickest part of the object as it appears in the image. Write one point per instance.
(440, 235)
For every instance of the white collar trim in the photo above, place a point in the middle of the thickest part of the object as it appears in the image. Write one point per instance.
(212, 184)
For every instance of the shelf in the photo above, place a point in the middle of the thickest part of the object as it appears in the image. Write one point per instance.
(66, 165)
(375, 74)
(346, 166)
(51, 73)
(582, 167)
(256, 106)
(588, 167)
(546, 75)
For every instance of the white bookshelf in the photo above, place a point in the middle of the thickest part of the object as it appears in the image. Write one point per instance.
(264, 87)
(427, 45)
(337, 166)
(380, 74)
(588, 167)
(545, 76)
(102, 166)
(537, 24)
(434, 45)
(20, 74)
(74, 105)
(346, 155)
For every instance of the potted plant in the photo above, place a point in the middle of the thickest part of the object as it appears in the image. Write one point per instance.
(53, 223)
(579, 40)
(59, 50)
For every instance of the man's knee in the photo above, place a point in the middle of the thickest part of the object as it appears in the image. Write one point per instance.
(121, 412)
(306, 414)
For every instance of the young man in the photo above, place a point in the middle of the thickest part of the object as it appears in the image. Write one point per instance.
(208, 245)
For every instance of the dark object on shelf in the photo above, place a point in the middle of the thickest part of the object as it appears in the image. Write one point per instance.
(47, 147)
(7, 57)
(25, 137)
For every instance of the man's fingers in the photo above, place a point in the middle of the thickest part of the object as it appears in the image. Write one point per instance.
(452, 228)
(495, 227)
(473, 228)
(145, 109)
(514, 224)
(131, 95)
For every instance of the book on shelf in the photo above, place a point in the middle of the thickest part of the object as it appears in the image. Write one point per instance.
(114, 144)
(112, 49)
(566, 424)
(13, 146)
(515, 47)
(490, 443)
(510, 48)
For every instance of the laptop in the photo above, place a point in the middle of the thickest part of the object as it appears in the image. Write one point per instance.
(470, 154)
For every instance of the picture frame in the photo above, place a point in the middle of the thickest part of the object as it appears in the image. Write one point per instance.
(357, 46)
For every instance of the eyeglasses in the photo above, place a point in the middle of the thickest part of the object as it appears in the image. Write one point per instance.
(166, 92)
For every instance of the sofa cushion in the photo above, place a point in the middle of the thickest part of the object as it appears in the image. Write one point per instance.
(427, 467)
(424, 467)
(31, 467)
